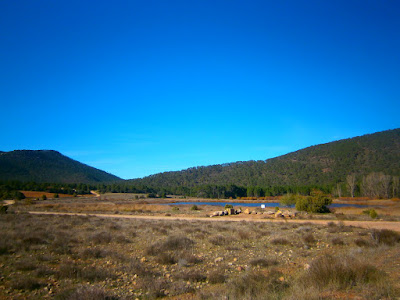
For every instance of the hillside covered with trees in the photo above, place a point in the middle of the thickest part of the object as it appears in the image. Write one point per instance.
(362, 166)
(325, 165)
(48, 166)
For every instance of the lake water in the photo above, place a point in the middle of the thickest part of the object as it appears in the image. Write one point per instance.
(267, 204)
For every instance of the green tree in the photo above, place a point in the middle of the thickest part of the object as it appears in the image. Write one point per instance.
(289, 199)
(317, 202)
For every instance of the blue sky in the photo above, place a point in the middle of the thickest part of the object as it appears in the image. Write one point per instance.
(140, 87)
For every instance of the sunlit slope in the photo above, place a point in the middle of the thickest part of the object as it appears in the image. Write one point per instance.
(321, 164)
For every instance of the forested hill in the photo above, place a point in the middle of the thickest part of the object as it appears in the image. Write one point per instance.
(317, 165)
(48, 166)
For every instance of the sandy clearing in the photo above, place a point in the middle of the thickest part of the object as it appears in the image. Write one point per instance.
(9, 202)
(363, 224)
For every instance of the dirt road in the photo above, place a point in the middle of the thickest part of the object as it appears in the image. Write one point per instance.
(95, 193)
(364, 224)
(9, 202)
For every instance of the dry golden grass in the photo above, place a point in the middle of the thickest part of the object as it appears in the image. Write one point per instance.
(387, 210)
(34, 194)
(76, 257)
(101, 207)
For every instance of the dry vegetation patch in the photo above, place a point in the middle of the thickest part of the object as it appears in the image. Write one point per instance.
(74, 257)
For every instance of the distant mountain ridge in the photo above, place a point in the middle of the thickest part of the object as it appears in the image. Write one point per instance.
(48, 166)
(323, 164)
(317, 165)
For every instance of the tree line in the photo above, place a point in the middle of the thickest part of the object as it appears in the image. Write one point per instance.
(373, 185)
(324, 164)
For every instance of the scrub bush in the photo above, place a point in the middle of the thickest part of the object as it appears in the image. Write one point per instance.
(317, 202)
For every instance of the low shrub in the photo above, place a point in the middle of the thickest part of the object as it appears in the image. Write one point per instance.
(341, 272)
(171, 243)
(256, 285)
(26, 283)
(101, 238)
(216, 276)
(94, 253)
(85, 293)
(154, 287)
(337, 241)
(115, 227)
(177, 243)
(61, 246)
(71, 270)
(244, 234)
(371, 212)
(304, 228)
(193, 276)
(339, 228)
(166, 258)
(93, 274)
(194, 207)
(43, 271)
(135, 266)
(218, 240)
(190, 258)
(121, 239)
(34, 240)
(362, 243)
(25, 265)
(309, 239)
(263, 262)
(280, 241)
(6, 244)
(385, 236)
(68, 269)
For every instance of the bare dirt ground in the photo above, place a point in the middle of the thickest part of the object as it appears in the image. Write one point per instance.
(239, 218)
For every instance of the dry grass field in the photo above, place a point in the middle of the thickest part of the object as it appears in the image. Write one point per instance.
(35, 194)
(388, 210)
(75, 257)
(91, 257)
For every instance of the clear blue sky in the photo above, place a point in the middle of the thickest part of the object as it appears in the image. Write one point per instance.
(140, 87)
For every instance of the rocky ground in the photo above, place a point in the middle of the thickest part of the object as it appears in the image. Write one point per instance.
(81, 257)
